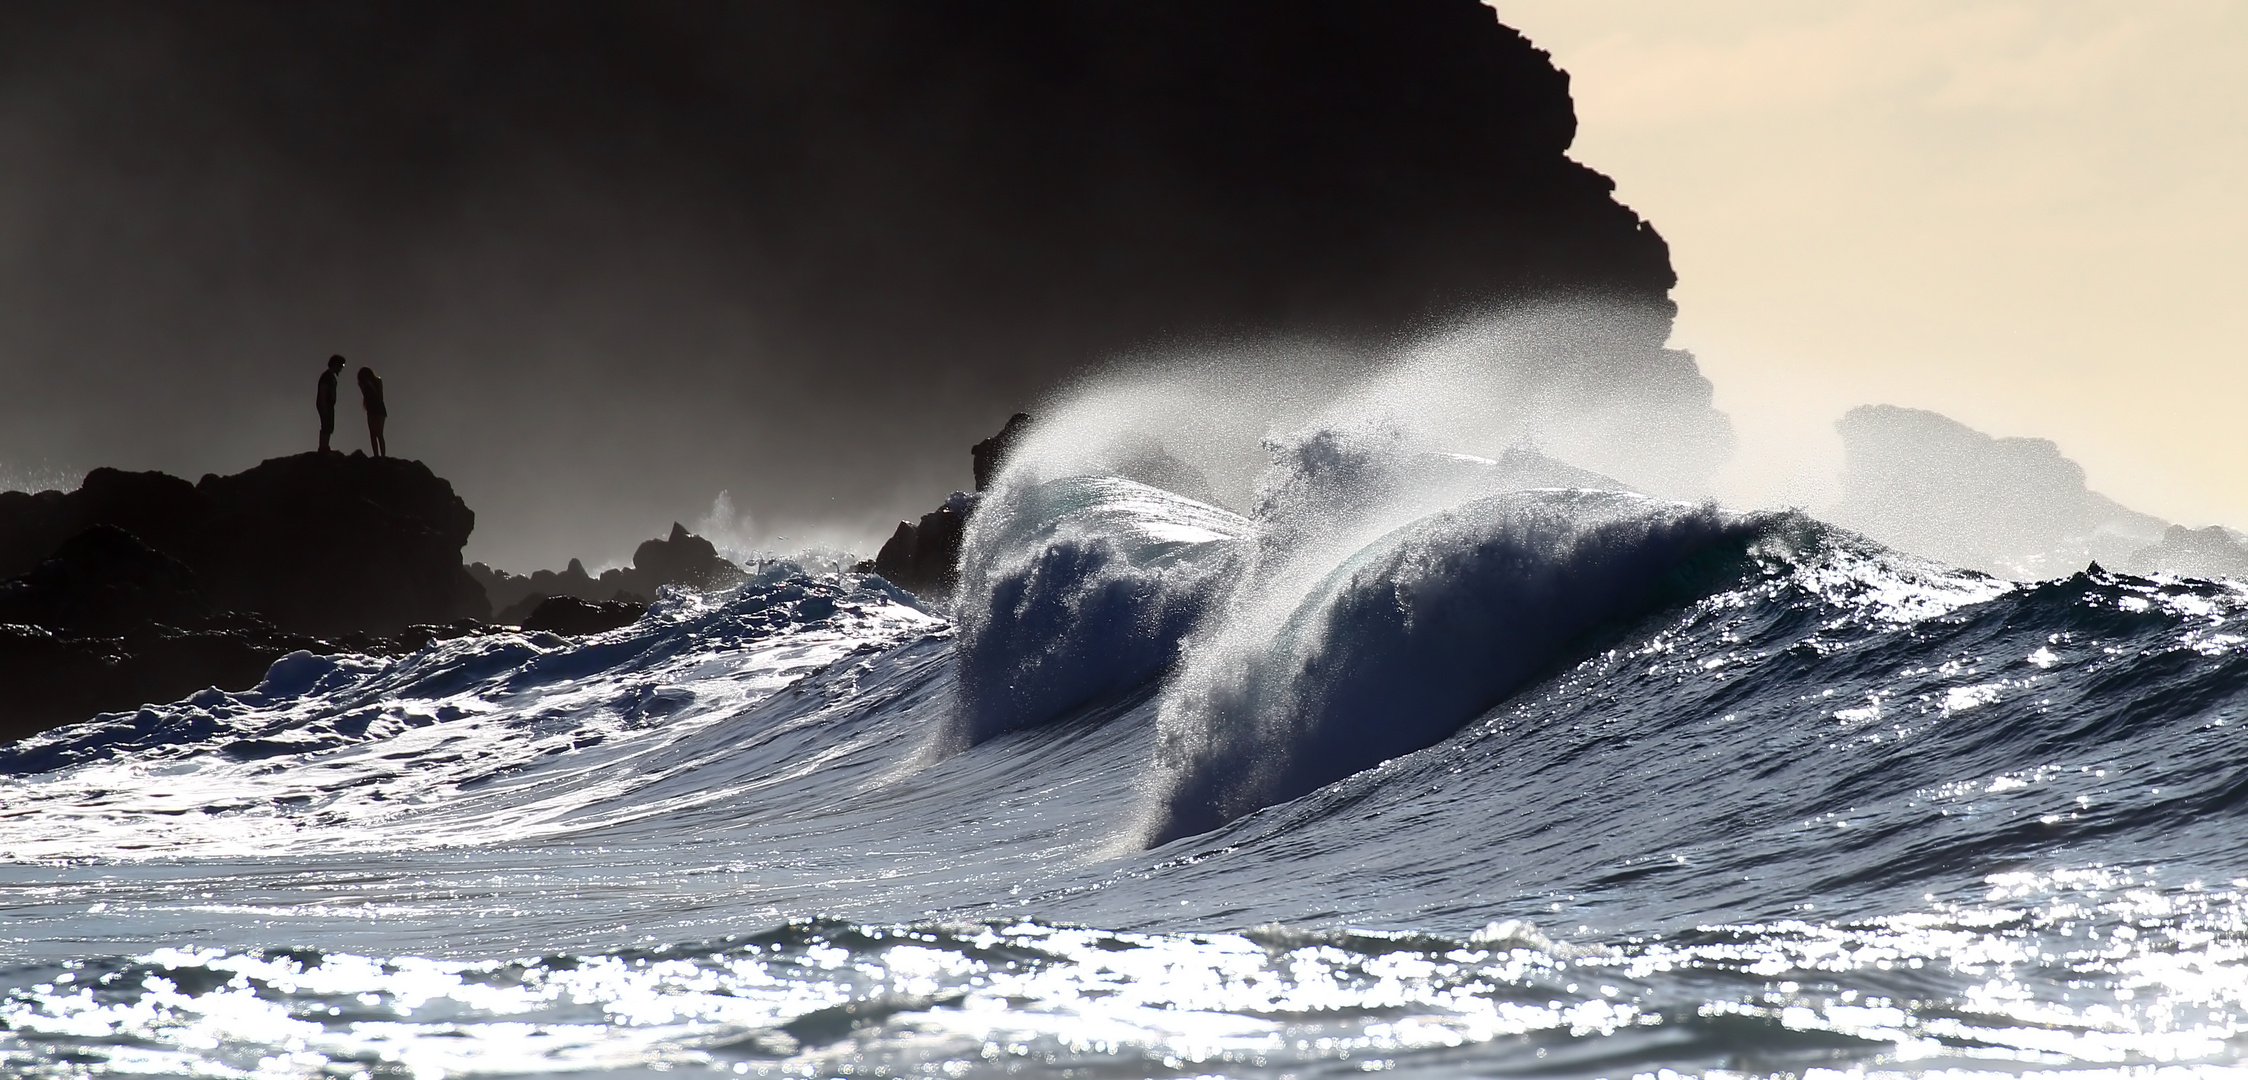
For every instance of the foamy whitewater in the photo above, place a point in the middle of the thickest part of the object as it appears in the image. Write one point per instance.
(1388, 757)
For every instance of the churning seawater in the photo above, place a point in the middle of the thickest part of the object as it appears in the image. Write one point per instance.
(1504, 778)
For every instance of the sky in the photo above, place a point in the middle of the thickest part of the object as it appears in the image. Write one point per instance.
(2026, 215)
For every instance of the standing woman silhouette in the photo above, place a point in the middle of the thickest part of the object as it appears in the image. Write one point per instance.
(370, 395)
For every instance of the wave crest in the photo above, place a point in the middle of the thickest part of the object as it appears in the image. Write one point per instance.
(1079, 588)
(1417, 634)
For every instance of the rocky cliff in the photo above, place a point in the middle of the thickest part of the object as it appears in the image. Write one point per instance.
(908, 215)
(314, 543)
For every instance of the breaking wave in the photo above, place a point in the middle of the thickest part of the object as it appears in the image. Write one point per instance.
(1415, 635)
(1372, 757)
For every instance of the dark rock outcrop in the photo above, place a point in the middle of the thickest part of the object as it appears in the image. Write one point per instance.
(990, 455)
(141, 587)
(924, 558)
(570, 615)
(109, 623)
(1002, 192)
(59, 678)
(681, 559)
(319, 544)
(105, 581)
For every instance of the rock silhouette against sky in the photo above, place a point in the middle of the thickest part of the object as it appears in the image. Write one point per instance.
(614, 258)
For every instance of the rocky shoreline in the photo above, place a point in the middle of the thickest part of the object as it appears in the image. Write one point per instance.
(143, 587)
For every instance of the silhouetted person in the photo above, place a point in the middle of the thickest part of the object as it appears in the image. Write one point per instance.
(370, 394)
(325, 400)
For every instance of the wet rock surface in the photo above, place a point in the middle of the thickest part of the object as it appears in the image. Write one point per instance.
(988, 455)
(2210, 552)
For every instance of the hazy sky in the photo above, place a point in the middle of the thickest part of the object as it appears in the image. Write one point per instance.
(2026, 215)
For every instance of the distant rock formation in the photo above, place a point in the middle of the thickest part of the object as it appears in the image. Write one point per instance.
(2213, 552)
(319, 544)
(513, 596)
(988, 456)
(1146, 461)
(681, 559)
(1925, 483)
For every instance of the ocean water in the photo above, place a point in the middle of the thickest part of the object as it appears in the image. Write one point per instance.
(1416, 763)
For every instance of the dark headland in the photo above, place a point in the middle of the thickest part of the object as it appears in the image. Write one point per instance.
(141, 587)
(313, 543)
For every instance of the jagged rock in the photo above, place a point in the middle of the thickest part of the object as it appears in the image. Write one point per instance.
(924, 558)
(681, 559)
(108, 623)
(58, 678)
(990, 455)
(570, 615)
(141, 587)
(314, 543)
(61, 677)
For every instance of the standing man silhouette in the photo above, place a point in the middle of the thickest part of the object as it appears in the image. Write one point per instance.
(370, 395)
(324, 400)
